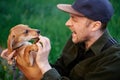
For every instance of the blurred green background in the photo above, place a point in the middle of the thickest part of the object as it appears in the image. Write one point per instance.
(43, 15)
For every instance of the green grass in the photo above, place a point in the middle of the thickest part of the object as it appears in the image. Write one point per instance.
(44, 16)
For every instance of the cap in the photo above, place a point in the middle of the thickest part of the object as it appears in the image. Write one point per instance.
(97, 10)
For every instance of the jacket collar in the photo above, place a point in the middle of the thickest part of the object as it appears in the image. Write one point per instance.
(102, 43)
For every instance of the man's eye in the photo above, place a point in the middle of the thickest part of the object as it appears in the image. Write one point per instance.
(73, 18)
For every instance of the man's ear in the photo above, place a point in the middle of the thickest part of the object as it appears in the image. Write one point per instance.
(96, 25)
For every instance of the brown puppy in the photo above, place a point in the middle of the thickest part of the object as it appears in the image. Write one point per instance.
(18, 40)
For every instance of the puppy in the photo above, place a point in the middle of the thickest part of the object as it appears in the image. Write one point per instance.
(18, 40)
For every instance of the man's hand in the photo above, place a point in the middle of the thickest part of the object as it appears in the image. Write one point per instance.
(44, 48)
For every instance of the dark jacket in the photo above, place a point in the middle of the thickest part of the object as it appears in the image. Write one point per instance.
(100, 62)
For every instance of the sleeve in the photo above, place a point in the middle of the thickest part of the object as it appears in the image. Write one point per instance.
(108, 67)
(53, 75)
(110, 72)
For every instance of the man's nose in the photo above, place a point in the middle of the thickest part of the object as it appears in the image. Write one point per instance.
(68, 23)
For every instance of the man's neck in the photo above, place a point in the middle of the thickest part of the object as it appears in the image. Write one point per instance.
(93, 39)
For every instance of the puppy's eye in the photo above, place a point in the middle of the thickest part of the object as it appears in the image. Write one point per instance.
(26, 31)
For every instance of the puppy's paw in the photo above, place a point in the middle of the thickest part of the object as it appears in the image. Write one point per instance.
(34, 47)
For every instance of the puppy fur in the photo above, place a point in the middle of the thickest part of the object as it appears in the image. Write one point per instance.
(18, 40)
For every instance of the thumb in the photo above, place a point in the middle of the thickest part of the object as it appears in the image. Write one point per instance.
(11, 55)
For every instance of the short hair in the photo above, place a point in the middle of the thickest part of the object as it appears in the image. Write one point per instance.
(104, 26)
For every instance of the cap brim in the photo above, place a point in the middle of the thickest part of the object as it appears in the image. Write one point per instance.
(68, 8)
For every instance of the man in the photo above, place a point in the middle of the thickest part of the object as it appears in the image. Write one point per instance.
(90, 53)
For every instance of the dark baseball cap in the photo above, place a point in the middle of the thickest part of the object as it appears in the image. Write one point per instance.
(97, 10)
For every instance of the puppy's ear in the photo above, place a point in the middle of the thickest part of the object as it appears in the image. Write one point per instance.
(10, 42)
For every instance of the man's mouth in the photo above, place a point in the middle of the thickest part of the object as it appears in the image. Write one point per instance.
(73, 32)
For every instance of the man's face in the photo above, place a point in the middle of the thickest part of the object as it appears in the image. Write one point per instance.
(80, 28)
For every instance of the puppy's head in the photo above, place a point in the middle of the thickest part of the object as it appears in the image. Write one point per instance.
(19, 35)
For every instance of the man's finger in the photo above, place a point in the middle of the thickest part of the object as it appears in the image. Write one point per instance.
(11, 55)
(7, 56)
(4, 53)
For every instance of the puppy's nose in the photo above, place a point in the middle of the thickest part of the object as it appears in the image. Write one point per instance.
(38, 31)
